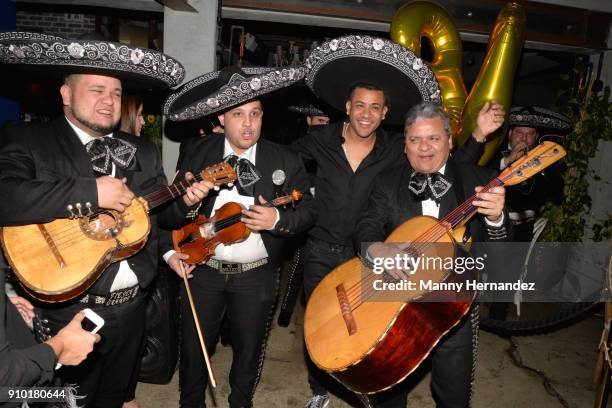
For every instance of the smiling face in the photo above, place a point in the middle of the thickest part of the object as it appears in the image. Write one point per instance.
(242, 125)
(92, 102)
(427, 145)
(366, 109)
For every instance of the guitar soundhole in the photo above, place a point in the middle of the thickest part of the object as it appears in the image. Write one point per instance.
(102, 225)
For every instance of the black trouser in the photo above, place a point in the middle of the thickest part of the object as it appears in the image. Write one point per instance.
(104, 377)
(320, 258)
(451, 373)
(248, 298)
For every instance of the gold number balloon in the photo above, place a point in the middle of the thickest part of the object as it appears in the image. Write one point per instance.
(420, 19)
(496, 77)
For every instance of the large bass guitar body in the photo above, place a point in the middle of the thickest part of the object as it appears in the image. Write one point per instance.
(371, 345)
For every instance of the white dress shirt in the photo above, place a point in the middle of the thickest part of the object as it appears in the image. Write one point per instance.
(125, 277)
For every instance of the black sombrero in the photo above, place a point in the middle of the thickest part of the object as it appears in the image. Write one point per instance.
(219, 90)
(307, 110)
(308, 105)
(137, 67)
(540, 118)
(335, 66)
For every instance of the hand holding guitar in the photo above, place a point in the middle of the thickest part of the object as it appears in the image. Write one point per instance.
(197, 191)
(113, 193)
(259, 217)
(491, 203)
(384, 251)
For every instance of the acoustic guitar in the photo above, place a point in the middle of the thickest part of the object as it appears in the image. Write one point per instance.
(200, 238)
(370, 345)
(59, 260)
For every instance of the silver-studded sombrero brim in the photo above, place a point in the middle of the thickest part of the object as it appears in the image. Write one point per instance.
(205, 95)
(309, 110)
(335, 66)
(137, 66)
(537, 117)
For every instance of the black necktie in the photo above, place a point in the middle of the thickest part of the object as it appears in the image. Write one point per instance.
(247, 174)
(429, 186)
(104, 151)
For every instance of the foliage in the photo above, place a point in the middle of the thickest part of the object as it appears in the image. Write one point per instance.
(591, 112)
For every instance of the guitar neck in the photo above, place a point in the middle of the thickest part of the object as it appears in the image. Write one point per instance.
(465, 211)
(170, 192)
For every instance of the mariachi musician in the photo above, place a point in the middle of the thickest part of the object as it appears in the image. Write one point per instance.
(79, 163)
(430, 183)
(530, 125)
(240, 279)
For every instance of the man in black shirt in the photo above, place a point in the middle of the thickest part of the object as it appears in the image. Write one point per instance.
(350, 155)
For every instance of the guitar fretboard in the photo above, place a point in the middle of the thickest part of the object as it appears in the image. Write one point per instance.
(176, 189)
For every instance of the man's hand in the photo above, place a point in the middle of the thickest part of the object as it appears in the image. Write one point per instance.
(385, 251)
(491, 203)
(175, 262)
(517, 152)
(113, 193)
(72, 344)
(24, 307)
(197, 191)
(490, 118)
(258, 217)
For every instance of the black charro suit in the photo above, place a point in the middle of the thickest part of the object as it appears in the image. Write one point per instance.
(247, 297)
(45, 168)
(390, 205)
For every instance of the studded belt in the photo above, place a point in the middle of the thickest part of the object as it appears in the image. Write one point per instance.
(114, 298)
(232, 268)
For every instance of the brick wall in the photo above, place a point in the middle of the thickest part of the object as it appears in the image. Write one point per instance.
(60, 24)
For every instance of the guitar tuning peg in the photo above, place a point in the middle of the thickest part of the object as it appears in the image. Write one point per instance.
(216, 188)
(230, 185)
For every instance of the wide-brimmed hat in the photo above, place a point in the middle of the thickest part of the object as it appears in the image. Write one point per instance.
(309, 105)
(220, 90)
(137, 67)
(540, 118)
(335, 66)
(307, 110)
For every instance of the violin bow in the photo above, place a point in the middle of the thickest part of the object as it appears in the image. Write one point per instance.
(196, 319)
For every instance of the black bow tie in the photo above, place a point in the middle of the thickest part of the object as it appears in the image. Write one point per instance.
(104, 151)
(429, 186)
(247, 174)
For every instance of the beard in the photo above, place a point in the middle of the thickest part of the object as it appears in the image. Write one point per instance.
(96, 128)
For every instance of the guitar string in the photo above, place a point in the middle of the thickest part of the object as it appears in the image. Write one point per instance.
(66, 234)
(429, 237)
(454, 216)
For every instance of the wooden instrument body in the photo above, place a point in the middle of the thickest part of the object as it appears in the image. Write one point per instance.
(202, 238)
(73, 253)
(392, 337)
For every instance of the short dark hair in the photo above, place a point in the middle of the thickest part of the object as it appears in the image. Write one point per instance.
(369, 86)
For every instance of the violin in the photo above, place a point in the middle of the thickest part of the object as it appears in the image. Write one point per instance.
(200, 238)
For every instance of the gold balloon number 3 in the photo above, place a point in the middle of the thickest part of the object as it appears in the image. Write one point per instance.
(495, 81)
